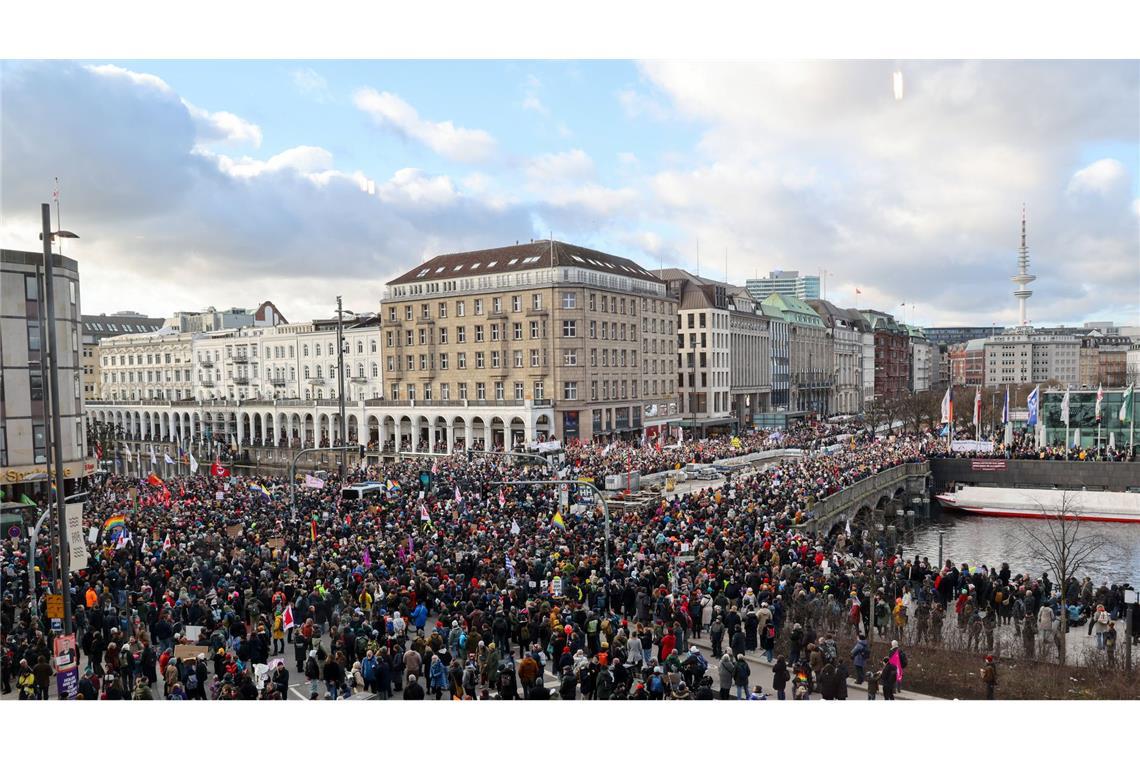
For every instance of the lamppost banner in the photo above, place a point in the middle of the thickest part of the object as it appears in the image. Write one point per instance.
(73, 514)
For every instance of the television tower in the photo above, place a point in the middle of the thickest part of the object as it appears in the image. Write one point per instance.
(1022, 278)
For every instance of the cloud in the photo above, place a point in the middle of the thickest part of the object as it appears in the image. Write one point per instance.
(310, 83)
(560, 167)
(166, 223)
(1101, 177)
(217, 127)
(457, 143)
(815, 165)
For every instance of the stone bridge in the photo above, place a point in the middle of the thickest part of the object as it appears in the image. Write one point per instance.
(869, 495)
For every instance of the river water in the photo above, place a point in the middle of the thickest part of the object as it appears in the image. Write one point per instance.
(993, 540)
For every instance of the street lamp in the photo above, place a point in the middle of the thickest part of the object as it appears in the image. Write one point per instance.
(340, 312)
(49, 343)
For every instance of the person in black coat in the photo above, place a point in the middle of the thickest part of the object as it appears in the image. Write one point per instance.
(737, 642)
(888, 678)
(779, 677)
(413, 689)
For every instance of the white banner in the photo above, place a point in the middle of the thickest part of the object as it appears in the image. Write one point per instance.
(312, 482)
(73, 515)
(977, 446)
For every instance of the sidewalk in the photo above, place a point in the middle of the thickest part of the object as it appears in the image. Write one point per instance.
(755, 663)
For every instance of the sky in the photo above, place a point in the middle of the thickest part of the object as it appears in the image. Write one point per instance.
(229, 183)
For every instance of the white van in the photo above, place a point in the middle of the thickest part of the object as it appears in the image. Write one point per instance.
(358, 491)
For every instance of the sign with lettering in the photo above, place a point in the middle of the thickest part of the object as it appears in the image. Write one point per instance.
(988, 465)
(54, 605)
(73, 515)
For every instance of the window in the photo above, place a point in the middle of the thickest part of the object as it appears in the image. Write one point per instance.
(318, 351)
(423, 362)
(445, 391)
(372, 346)
(36, 381)
(605, 331)
(481, 391)
(411, 364)
(534, 357)
(593, 329)
(31, 288)
(536, 301)
(570, 328)
(478, 306)
(33, 335)
(425, 312)
(593, 304)
(305, 350)
(478, 333)
(518, 358)
(460, 309)
(593, 390)
(496, 305)
(443, 361)
(442, 310)
(408, 313)
(39, 443)
(411, 392)
(460, 334)
(533, 329)
(570, 391)
(538, 389)
(517, 330)
(570, 358)
(423, 336)
(495, 359)
(516, 303)
(463, 391)
(427, 391)
(569, 299)
(479, 364)
(462, 358)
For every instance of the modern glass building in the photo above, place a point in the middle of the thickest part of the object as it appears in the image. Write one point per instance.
(1082, 418)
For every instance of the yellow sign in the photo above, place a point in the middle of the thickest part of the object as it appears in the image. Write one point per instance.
(39, 472)
(54, 605)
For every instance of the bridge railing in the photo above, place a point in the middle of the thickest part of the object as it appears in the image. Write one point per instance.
(826, 510)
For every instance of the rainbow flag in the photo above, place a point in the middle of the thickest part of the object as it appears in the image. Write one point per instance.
(312, 530)
(114, 527)
(260, 489)
(557, 520)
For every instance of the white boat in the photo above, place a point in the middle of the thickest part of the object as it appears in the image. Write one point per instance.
(1040, 503)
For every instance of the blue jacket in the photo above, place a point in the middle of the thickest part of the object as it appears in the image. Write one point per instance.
(860, 652)
(419, 615)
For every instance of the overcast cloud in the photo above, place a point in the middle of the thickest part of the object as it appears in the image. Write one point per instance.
(811, 166)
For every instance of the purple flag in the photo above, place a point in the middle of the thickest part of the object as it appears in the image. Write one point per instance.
(366, 560)
(411, 545)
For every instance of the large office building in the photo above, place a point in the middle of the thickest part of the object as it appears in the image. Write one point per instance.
(96, 327)
(949, 336)
(1104, 360)
(923, 358)
(1025, 355)
(1083, 428)
(723, 353)
(892, 354)
(507, 345)
(845, 332)
(785, 283)
(24, 386)
(810, 355)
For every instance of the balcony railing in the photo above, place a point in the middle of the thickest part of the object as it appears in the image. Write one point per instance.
(206, 363)
(206, 383)
(241, 359)
(316, 381)
(277, 381)
(241, 381)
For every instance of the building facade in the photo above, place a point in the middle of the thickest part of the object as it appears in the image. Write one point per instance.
(785, 283)
(810, 356)
(968, 362)
(544, 339)
(1031, 356)
(1083, 428)
(1104, 360)
(892, 355)
(750, 358)
(949, 336)
(24, 386)
(847, 362)
(922, 360)
(96, 327)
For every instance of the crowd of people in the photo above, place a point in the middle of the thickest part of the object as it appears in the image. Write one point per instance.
(450, 584)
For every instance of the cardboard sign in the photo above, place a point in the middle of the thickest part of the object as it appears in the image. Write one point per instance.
(233, 531)
(54, 605)
(190, 651)
(276, 542)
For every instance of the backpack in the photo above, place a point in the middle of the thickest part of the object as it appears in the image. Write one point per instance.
(656, 684)
(192, 681)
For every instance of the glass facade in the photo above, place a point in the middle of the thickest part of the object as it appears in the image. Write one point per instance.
(1082, 418)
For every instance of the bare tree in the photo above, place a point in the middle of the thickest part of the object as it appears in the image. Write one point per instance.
(1063, 545)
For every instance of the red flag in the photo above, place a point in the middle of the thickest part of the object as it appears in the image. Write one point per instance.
(218, 471)
(166, 496)
(154, 480)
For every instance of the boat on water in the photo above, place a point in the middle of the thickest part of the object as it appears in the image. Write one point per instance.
(1044, 503)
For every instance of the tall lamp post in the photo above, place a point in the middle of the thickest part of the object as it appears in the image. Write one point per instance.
(340, 312)
(51, 349)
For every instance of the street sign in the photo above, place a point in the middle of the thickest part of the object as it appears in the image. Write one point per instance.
(54, 605)
(13, 531)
